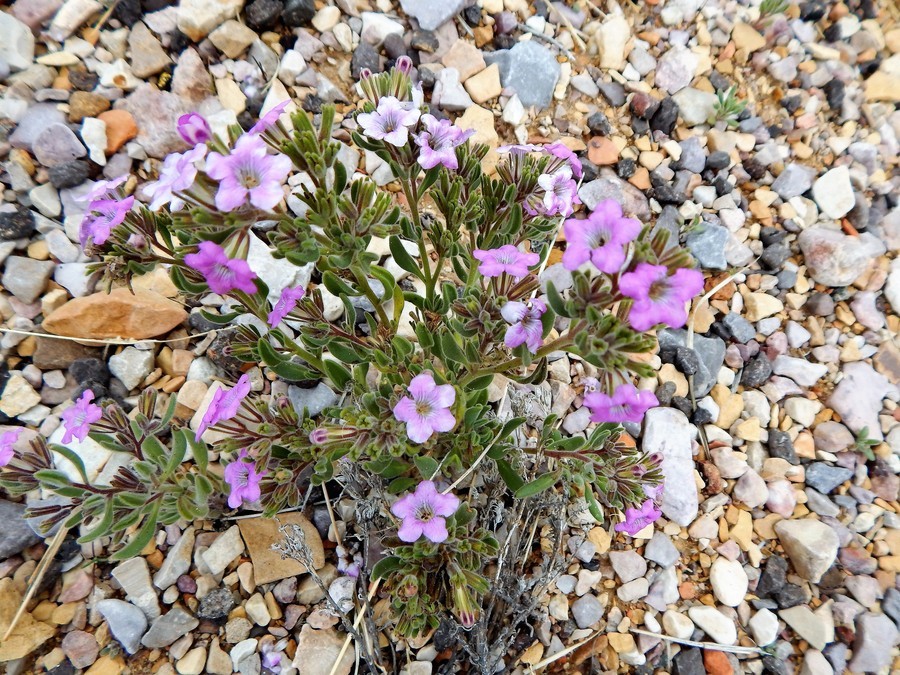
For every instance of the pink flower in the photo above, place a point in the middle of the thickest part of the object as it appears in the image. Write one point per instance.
(271, 655)
(560, 151)
(177, 175)
(439, 141)
(637, 519)
(653, 492)
(79, 417)
(102, 217)
(520, 149)
(424, 512)
(243, 479)
(270, 119)
(223, 274)
(285, 304)
(506, 259)
(102, 189)
(7, 441)
(627, 404)
(224, 405)
(600, 238)
(658, 297)
(194, 129)
(390, 122)
(560, 192)
(526, 327)
(249, 173)
(427, 408)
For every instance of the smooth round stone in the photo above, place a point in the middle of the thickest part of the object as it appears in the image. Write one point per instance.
(729, 581)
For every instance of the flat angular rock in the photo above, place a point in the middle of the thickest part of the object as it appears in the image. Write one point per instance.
(431, 14)
(794, 181)
(837, 259)
(16, 42)
(318, 650)
(29, 633)
(223, 550)
(834, 193)
(876, 636)
(168, 628)
(817, 627)
(134, 578)
(715, 624)
(156, 114)
(15, 535)
(119, 314)
(177, 562)
(811, 545)
(197, 18)
(858, 398)
(147, 55)
(127, 623)
(268, 565)
(668, 432)
(530, 70)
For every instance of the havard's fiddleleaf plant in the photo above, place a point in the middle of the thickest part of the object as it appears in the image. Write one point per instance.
(418, 340)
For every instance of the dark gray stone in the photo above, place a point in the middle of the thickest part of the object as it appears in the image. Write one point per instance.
(15, 535)
(707, 243)
(739, 328)
(825, 477)
(529, 69)
(710, 351)
(757, 371)
(16, 224)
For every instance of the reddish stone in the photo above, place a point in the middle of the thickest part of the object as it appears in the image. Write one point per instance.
(717, 663)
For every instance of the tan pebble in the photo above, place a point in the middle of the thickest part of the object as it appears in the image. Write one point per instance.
(602, 151)
(173, 384)
(668, 373)
(120, 128)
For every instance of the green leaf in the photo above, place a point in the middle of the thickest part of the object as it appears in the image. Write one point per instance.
(344, 353)
(451, 350)
(179, 450)
(509, 427)
(480, 382)
(401, 484)
(72, 457)
(403, 258)
(509, 475)
(593, 505)
(198, 449)
(338, 373)
(52, 478)
(385, 566)
(399, 304)
(427, 466)
(154, 450)
(386, 279)
(336, 286)
(102, 527)
(144, 535)
(538, 485)
(555, 301)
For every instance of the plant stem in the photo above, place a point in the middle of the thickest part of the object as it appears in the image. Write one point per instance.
(558, 343)
(370, 294)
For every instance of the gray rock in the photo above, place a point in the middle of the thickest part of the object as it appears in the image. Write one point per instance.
(147, 55)
(449, 91)
(693, 156)
(876, 636)
(834, 193)
(26, 278)
(315, 400)
(707, 244)
(191, 81)
(609, 186)
(695, 106)
(836, 259)
(156, 114)
(858, 397)
(15, 535)
(529, 69)
(794, 181)
(711, 352)
(675, 69)
(177, 562)
(587, 610)
(127, 623)
(811, 545)
(430, 14)
(661, 550)
(826, 478)
(801, 371)
(628, 565)
(168, 628)
(740, 329)
(16, 42)
(57, 144)
(663, 589)
(223, 550)
(134, 577)
(668, 432)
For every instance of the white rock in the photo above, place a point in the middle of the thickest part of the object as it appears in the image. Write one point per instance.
(764, 627)
(292, 66)
(241, 651)
(811, 545)
(834, 193)
(224, 549)
(197, 18)
(715, 624)
(93, 133)
(668, 432)
(92, 454)
(729, 581)
(131, 366)
(514, 112)
(612, 38)
(326, 18)
(16, 42)
(134, 577)
(815, 663)
(377, 26)
(677, 625)
(71, 17)
(277, 273)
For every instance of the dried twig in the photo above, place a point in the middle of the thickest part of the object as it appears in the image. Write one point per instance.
(110, 341)
(558, 655)
(712, 646)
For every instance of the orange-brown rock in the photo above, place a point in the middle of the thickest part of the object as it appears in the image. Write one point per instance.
(120, 128)
(119, 314)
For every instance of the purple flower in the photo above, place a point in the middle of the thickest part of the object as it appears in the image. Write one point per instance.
(285, 304)
(243, 479)
(7, 440)
(103, 216)
(390, 122)
(102, 189)
(249, 173)
(223, 274)
(427, 408)
(653, 492)
(560, 192)
(424, 512)
(526, 327)
(560, 151)
(506, 259)
(224, 405)
(600, 238)
(194, 129)
(270, 119)
(177, 174)
(79, 417)
(627, 404)
(637, 519)
(658, 297)
(439, 141)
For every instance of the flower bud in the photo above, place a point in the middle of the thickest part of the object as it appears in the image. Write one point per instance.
(194, 129)
(318, 436)
(403, 64)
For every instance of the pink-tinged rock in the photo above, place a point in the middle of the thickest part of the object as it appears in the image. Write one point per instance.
(858, 398)
(76, 586)
(80, 648)
(33, 13)
(781, 498)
